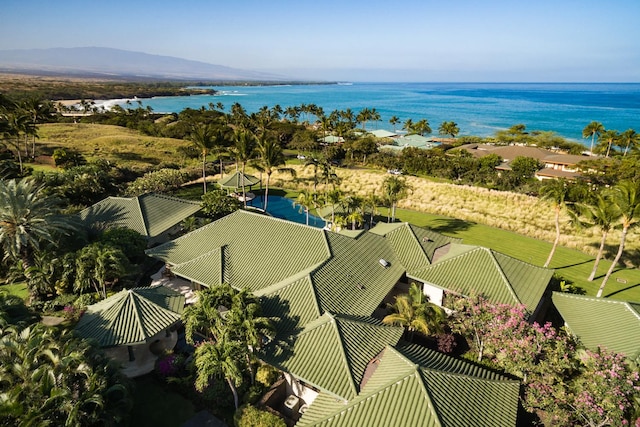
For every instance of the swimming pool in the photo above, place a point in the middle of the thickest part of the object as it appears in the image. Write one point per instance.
(282, 207)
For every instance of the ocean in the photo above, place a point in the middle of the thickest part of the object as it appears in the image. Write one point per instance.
(478, 108)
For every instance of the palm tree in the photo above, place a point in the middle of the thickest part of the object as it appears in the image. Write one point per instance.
(204, 315)
(592, 130)
(449, 128)
(245, 144)
(305, 201)
(394, 188)
(422, 127)
(414, 312)
(203, 138)
(28, 217)
(626, 199)
(608, 137)
(270, 157)
(408, 126)
(394, 121)
(602, 214)
(555, 191)
(631, 140)
(222, 359)
(332, 198)
(97, 265)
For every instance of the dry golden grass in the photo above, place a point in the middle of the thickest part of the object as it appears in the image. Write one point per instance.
(114, 143)
(520, 213)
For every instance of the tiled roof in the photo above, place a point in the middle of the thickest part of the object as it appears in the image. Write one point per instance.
(602, 322)
(150, 214)
(333, 351)
(415, 246)
(467, 269)
(131, 316)
(235, 180)
(405, 392)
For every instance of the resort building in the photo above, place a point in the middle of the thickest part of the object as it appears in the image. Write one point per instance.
(611, 324)
(154, 216)
(327, 293)
(556, 165)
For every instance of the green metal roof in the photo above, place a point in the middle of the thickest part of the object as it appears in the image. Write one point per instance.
(235, 180)
(150, 214)
(259, 250)
(319, 270)
(467, 269)
(602, 322)
(332, 352)
(415, 246)
(131, 316)
(381, 133)
(404, 393)
(353, 281)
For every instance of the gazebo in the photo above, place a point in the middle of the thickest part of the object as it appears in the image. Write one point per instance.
(138, 318)
(236, 181)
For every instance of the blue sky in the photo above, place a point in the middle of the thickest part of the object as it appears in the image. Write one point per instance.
(374, 40)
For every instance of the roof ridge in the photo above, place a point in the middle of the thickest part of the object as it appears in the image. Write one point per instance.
(416, 372)
(502, 274)
(627, 304)
(436, 371)
(343, 352)
(136, 311)
(417, 241)
(199, 257)
(142, 216)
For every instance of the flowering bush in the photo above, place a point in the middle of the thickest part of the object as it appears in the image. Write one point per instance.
(570, 386)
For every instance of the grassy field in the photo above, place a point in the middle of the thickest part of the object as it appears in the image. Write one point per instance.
(18, 289)
(124, 146)
(499, 220)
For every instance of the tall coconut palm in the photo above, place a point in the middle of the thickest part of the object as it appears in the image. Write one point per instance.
(555, 191)
(408, 126)
(203, 138)
(422, 127)
(625, 197)
(244, 149)
(609, 138)
(332, 198)
(414, 312)
(449, 128)
(270, 158)
(98, 265)
(306, 201)
(593, 130)
(28, 218)
(602, 214)
(394, 189)
(630, 139)
(394, 121)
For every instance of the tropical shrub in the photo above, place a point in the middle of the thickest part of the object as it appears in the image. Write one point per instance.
(250, 416)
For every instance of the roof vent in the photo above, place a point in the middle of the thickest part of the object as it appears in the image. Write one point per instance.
(426, 239)
(383, 262)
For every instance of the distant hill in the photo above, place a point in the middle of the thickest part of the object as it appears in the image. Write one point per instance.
(107, 62)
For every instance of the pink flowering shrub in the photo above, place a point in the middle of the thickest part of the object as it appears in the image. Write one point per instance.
(595, 389)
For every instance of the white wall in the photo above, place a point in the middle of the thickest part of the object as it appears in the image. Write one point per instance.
(435, 294)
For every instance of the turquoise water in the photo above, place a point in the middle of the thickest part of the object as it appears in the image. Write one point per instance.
(478, 108)
(282, 207)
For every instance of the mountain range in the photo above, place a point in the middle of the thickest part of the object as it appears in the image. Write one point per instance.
(116, 63)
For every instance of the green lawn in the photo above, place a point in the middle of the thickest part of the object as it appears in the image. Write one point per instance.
(156, 405)
(571, 265)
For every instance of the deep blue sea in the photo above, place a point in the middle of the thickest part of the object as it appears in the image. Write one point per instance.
(478, 108)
